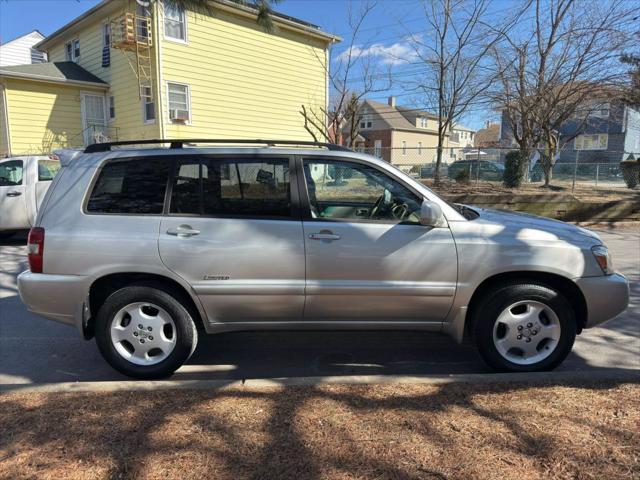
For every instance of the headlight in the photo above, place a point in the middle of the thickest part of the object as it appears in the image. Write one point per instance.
(603, 257)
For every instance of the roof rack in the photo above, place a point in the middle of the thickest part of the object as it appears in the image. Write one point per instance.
(179, 143)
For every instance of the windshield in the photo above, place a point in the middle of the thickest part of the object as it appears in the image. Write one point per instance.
(464, 210)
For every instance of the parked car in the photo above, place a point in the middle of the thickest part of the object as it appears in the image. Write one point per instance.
(23, 183)
(144, 248)
(490, 171)
(429, 170)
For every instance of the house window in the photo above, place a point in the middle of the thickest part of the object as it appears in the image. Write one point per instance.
(601, 111)
(72, 50)
(148, 105)
(179, 108)
(76, 50)
(419, 148)
(142, 23)
(365, 121)
(591, 142)
(175, 23)
(377, 148)
(423, 122)
(404, 147)
(112, 107)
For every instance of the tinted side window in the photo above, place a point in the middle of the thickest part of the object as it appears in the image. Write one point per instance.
(243, 187)
(11, 173)
(187, 187)
(134, 186)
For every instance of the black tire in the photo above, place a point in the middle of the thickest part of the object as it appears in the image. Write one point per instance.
(186, 333)
(497, 300)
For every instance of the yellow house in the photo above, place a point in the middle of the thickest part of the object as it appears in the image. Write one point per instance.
(123, 71)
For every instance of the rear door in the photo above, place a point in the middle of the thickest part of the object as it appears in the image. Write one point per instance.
(231, 231)
(94, 119)
(13, 210)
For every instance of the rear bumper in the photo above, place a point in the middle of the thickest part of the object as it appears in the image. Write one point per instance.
(56, 297)
(606, 296)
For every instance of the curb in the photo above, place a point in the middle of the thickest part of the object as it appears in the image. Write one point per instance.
(620, 376)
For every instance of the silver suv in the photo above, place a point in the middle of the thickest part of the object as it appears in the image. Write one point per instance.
(145, 247)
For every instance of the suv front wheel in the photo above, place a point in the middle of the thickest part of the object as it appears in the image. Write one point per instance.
(524, 328)
(145, 332)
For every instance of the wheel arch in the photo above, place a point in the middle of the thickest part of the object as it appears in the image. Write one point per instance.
(104, 286)
(564, 285)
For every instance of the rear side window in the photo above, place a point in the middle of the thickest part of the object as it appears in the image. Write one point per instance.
(11, 173)
(235, 187)
(47, 169)
(134, 186)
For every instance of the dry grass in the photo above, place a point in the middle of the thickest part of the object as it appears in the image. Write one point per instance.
(409, 431)
(583, 192)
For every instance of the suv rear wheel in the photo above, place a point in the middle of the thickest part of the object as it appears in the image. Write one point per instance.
(145, 332)
(524, 328)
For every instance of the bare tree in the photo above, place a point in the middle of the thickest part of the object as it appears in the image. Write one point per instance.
(352, 76)
(562, 69)
(454, 52)
(632, 93)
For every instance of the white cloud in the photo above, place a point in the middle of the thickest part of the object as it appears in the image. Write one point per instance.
(398, 53)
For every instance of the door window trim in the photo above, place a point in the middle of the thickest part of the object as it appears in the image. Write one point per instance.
(294, 207)
(305, 203)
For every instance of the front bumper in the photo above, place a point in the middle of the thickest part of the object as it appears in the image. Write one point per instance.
(56, 297)
(606, 296)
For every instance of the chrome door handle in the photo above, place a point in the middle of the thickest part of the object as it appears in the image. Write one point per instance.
(327, 236)
(183, 231)
(14, 194)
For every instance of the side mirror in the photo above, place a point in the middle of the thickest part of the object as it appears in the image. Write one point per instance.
(431, 214)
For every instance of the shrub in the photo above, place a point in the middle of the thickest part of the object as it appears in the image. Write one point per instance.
(462, 176)
(630, 173)
(513, 171)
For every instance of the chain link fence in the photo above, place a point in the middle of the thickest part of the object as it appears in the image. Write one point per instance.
(600, 170)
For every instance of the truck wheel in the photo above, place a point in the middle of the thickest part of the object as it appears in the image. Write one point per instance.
(524, 328)
(144, 332)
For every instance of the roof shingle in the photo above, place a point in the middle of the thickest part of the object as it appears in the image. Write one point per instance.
(53, 71)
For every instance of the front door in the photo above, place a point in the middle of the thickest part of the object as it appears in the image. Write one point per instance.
(93, 118)
(368, 257)
(232, 234)
(13, 206)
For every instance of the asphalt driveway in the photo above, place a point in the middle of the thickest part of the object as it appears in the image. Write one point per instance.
(35, 350)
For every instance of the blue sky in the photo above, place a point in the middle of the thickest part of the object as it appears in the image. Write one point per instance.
(387, 26)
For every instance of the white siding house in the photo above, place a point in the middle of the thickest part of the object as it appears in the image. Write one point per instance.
(20, 51)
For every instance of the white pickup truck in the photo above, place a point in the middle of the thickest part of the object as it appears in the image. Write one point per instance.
(23, 183)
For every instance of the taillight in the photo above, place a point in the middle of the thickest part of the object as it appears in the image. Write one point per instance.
(35, 248)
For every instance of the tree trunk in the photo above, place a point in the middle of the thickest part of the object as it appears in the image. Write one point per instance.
(523, 165)
(436, 174)
(547, 167)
